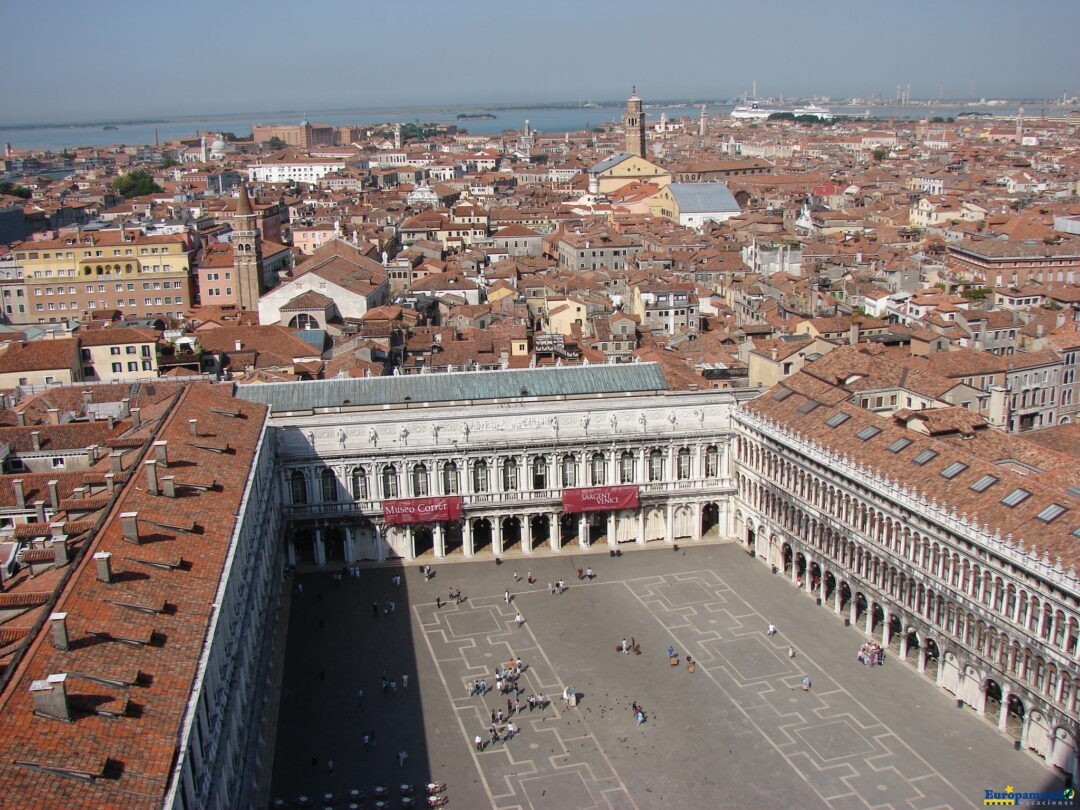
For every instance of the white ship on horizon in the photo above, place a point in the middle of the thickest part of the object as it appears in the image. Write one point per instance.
(751, 112)
(821, 113)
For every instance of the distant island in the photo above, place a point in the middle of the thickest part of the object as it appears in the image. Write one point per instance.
(475, 116)
(110, 128)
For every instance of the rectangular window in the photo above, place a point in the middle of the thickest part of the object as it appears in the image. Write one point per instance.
(58, 463)
(1051, 512)
(782, 394)
(898, 445)
(133, 366)
(117, 368)
(953, 470)
(808, 406)
(868, 433)
(1016, 497)
(837, 419)
(925, 457)
(984, 483)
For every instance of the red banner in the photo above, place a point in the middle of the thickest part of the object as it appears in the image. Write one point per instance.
(422, 510)
(599, 499)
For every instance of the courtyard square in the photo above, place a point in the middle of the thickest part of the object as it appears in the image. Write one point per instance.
(738, 731)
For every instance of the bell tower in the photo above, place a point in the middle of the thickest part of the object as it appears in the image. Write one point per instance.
(247, 249)
(634, 125)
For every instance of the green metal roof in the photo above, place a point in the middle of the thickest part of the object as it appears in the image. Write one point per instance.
(456, 387)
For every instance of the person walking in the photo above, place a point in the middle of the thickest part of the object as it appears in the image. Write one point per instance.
(506, 597)
(790, 652)
(772, 630)
(530, 578)
(516, 577)
(519, 619)
(806, 684)
(404, 680)
(401, 757)
(551, 589)
(438, 601)
(330, 766)
(478, 742)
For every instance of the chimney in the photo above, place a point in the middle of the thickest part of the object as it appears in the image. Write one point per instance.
(54, 496)
(112, 422)
(59, 630)
(88, 397)
(151, 476)
(168, 485)
(39, 511)
(56, 529)
(130, 523)
(60, 549)
(116, 461)
(35, 437)
(104, 566)
(50, 698)
(110, 482)
(855, 332)
(998, 409)
(54, 416)
(238, 345)
(161, 453)
(193, 426)
(125, 407)
(20, 417)
(136, 420)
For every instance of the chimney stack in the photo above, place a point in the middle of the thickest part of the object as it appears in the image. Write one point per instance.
(54, 496)
(104, 566)
(56, 529)
(20, 417)
(50, 697)
(125, 407)
(60, 549)
(168, 485)
(59, 630)
(238, 345)
(54, 416)
(116, 461)
(39, 511)
(88, 397)
(151, 476)
(136, 419)
(193, 424)
(35, 437)
(110, 482)
(130, 522)
(161, 453)
(20, 493)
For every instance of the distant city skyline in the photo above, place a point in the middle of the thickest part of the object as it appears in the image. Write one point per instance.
(124, 60)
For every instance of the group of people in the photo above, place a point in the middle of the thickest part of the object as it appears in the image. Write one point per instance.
(870, 653)
(585, 573)
(639, 712)
(556, 587)
(502, 728)
(631, 646)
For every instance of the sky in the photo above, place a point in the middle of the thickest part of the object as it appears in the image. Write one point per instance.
(72, 60)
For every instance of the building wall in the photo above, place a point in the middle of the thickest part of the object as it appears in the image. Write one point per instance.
(952, 598)
(130, 361)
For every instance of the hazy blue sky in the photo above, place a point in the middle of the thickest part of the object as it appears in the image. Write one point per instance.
(76, 60)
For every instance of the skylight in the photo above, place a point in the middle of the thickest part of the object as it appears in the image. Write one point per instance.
(1051, 512)
(1017, 496)
(953, 469)
(898, 445)
(984, 483)
(808, 406)
(782, 394)
(868, 433)
(837, 419)
(925, 456)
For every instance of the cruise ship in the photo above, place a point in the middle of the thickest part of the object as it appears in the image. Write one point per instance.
(822, 113)
(752, 111)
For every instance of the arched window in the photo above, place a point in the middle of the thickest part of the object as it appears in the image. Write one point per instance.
(451, 483)
(359, 484)
(303, 321)
(328, 486)
(419, 480)
(626, 467)
(480, 476)
(298, 487)
(598, 469)
(389, 482)
(656, 465)
(539, 472)
(683, 463)
(569, 470)
(712, 461)
(509, 475)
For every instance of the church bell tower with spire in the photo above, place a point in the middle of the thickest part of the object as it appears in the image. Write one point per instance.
(247, 249)
(634, 125)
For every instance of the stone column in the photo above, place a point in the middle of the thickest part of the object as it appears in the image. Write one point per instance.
(808, 579)
(438, 534)
(496, 536)
(921, 666)
(885, 630)
(903, 645)
(583, 531)
(837, 607)
(1003, 714)
(612, 540)
(554, 532)
(380, 544)
(351, 554)
(320, 548)
(641, 526)
(669, 532)
(290, 553)
(695, 533)
(869, 617)
(853, 610)
(526, 533)
(467, 547)
(410, 540)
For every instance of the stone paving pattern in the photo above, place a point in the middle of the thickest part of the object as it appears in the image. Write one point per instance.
(738, 732)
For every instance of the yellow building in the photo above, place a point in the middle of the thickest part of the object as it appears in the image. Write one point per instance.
(621, 168)
(40, 363)
(119, 354)
(80, 275)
